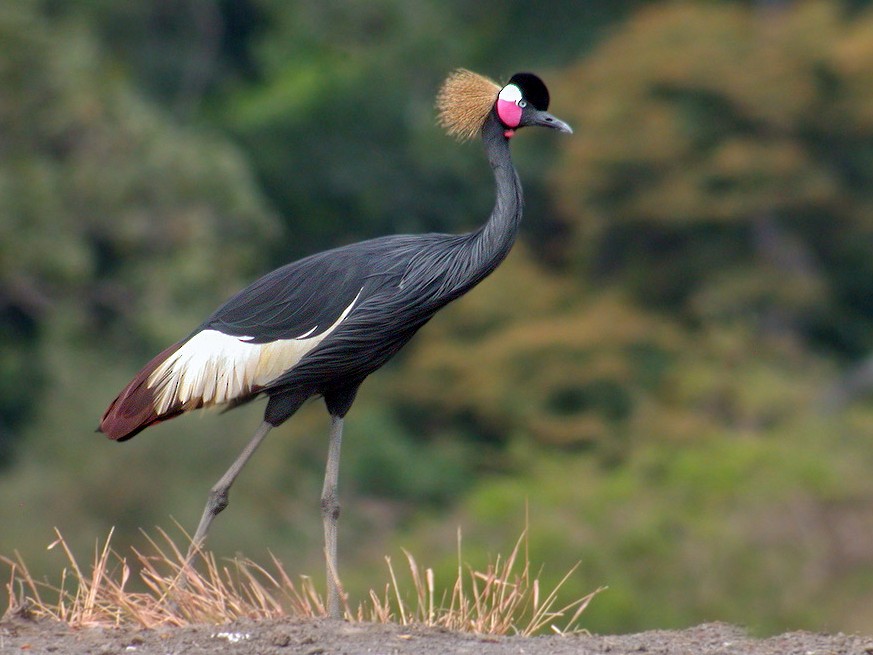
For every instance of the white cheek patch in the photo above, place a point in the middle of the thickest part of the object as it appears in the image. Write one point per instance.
(213, 368)
(510, 93)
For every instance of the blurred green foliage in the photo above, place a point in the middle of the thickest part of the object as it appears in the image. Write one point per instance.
(671, 370)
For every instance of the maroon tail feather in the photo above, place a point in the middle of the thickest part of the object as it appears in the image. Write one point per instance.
(134, 408)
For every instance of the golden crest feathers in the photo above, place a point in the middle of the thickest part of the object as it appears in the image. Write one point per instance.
(463, 103)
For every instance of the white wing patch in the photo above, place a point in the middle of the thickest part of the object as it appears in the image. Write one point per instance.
(213, 368)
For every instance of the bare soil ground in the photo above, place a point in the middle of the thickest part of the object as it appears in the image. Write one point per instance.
(325, 637)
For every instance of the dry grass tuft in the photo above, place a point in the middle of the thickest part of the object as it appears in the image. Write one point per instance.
(103, 597)
(504, 599)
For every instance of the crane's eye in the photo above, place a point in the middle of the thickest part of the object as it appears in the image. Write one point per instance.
(522, 103)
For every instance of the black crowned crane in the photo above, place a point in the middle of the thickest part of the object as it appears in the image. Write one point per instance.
(319, 326)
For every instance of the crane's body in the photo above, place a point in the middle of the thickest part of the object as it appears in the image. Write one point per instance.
(278, 338)
(319, 326)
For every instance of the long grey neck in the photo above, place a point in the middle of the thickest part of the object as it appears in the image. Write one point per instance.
(490, 244)
(453, 271)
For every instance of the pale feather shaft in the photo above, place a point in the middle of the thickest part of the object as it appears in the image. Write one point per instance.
(213, 368)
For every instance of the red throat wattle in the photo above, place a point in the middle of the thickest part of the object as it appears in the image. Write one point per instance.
(509, 113)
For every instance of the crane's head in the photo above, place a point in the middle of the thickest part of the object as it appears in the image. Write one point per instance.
(466, 100)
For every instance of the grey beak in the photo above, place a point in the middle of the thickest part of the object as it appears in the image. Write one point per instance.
(545, 119)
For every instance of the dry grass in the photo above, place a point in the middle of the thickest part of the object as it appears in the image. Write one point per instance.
(505, 598)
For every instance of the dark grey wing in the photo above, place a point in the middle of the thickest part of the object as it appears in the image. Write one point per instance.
(301, 298)
(410, 280)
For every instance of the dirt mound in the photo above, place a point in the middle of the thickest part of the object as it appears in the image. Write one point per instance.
(292, 637)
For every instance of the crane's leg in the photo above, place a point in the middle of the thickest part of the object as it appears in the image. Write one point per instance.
(330, 510)
(217, 499)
